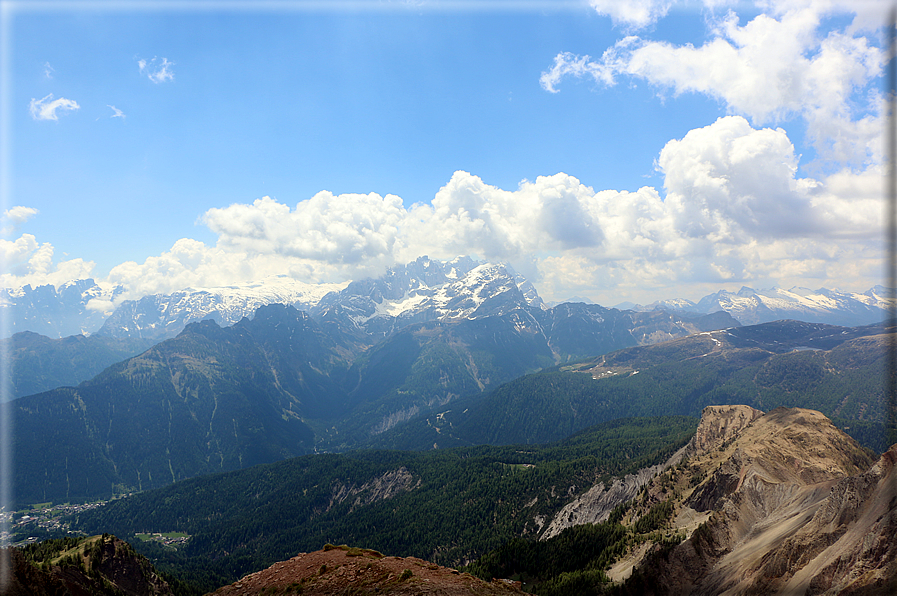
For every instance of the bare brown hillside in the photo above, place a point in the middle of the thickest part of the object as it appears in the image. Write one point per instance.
(345, 570)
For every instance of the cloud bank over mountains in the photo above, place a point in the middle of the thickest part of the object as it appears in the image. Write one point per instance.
(732, 210)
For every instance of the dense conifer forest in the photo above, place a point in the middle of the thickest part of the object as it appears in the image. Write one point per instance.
(448, 506)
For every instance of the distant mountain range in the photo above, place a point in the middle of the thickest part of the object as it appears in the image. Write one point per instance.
(836, 370)
(422, 290)
(751, 307)
(286, 383)
(72, 309)
(359, 362)
(357, 315)
(40, 363)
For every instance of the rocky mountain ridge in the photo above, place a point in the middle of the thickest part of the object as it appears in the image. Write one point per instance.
(718, 424)
(751, 307)
(778, 503)
(425, 289)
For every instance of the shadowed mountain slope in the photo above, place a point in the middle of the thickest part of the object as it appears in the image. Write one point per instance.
(837, 370)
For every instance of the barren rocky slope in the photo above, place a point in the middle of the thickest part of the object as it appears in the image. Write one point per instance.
(783, 503)
(718, 424)
(345, 570)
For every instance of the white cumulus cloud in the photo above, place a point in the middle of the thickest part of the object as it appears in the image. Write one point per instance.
(46, 107)
(25, 261)
(633, 13)
(19, 214)
(350, 228)
(776, 66)
(732, 210)
(14, 217)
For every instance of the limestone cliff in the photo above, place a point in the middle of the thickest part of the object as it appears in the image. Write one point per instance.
(792, 506)
(718, 424)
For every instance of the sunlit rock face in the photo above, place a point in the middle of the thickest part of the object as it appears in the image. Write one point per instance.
(788, 504)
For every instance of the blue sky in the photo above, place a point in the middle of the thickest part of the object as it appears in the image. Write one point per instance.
(605, 152)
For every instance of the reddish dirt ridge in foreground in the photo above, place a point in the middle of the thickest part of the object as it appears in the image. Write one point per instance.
(349, 570)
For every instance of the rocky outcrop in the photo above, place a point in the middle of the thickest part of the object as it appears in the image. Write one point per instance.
(721, 423)
(99, 565)
(382, 487)
(718, 425)
(795, 508)
(595, 505)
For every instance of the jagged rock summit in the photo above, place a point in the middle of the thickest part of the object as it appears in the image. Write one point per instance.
(719, 424)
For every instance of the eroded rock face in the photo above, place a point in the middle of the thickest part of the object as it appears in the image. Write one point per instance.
(718, 425)
(797, 508)
(721, 423)
(382, 487)
(595, 505)
(851, 536)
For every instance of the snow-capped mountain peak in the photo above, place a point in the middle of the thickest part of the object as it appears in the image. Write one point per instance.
(165, 315)
(750, 306)
(422, 290)
(426, 290)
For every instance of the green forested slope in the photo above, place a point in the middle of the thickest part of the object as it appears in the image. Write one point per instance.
(447, 506)
(39, 363)
(205, 401)
(764, 366)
